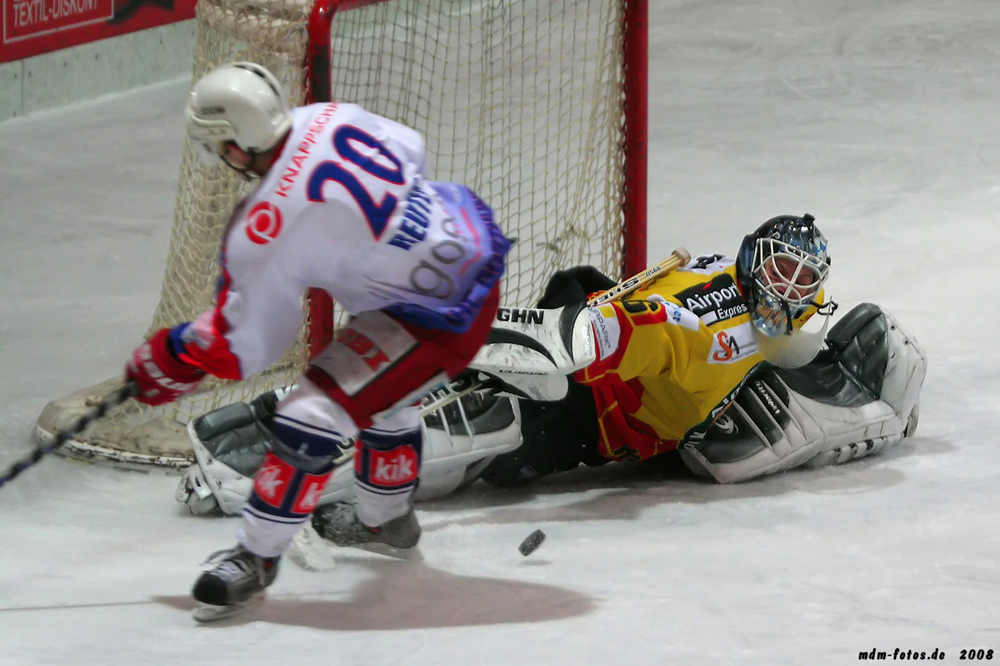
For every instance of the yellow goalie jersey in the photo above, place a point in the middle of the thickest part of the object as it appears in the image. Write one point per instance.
(671, 358)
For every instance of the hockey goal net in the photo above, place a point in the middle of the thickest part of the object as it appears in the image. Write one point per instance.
(538, 105)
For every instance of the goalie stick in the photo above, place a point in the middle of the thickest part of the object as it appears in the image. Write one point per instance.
(677, 258)
(119, 396)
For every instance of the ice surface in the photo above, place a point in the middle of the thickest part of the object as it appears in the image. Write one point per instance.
(880, 118)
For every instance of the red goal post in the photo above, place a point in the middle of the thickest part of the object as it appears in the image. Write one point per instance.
(540, 106)
(635, 76)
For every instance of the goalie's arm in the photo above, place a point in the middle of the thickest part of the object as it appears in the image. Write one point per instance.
(645, 338)
(532, 350)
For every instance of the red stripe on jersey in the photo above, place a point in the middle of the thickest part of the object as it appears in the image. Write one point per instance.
(623, 436)
(655, 313)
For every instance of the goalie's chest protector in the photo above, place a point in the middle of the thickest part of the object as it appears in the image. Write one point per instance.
(347, 208)
(678, 375)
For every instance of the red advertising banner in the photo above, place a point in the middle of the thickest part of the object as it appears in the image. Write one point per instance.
(32, 27)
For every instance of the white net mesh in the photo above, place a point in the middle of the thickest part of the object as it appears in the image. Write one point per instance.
(520, 100)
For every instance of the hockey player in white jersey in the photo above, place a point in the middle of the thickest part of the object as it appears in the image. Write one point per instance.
(342, 204)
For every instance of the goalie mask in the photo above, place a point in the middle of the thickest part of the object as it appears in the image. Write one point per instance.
(240, 103)
(782, 268)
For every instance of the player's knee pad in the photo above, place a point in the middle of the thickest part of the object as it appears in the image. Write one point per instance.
(856, 398)
(388, 463)
(306, 447)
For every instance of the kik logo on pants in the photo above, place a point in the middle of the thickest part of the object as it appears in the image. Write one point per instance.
(280, 489)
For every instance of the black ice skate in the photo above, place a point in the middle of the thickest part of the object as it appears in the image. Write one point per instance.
(235, 583)
(338, 522)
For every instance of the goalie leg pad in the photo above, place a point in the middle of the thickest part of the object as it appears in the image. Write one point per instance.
(459, 441)
(229, 445)
(894, 370)
(463, 438)
(856, 398)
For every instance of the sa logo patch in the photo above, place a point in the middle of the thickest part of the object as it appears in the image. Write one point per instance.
(732, 344)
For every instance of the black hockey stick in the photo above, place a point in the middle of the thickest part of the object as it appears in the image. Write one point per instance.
(119, 396)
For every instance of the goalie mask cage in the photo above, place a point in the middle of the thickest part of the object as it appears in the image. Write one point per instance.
(538, 105)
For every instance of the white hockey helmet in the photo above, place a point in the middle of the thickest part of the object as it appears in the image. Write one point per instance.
(240, 102)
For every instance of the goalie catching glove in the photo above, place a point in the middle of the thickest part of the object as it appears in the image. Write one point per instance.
(158, 373)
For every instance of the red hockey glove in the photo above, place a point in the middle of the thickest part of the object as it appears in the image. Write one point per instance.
(160, 376)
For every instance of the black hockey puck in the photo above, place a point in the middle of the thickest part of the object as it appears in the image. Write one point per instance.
(531, 542)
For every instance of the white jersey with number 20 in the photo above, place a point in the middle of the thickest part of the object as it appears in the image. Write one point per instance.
(346, 208)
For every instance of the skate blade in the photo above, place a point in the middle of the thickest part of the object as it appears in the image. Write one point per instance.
(210, 613)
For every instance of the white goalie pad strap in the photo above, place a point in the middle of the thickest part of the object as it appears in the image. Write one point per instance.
(210, 483)
(532, 350)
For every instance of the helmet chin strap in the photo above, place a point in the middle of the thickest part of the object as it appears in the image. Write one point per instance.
(795, 349)
(245, 172)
